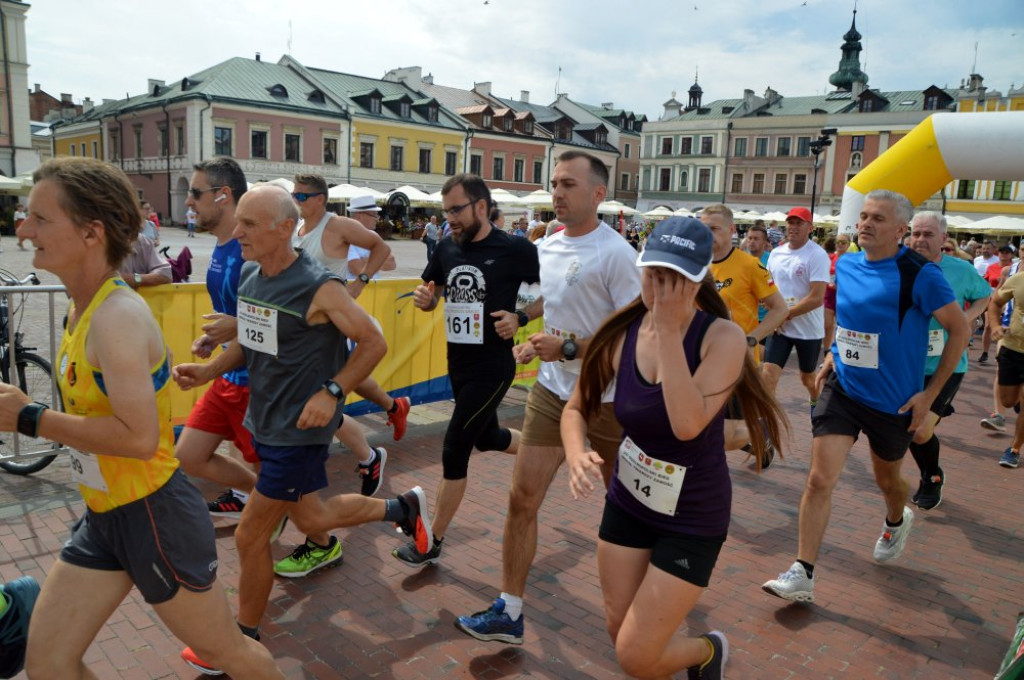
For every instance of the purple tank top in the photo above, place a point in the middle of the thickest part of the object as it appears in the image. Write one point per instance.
(705, 502)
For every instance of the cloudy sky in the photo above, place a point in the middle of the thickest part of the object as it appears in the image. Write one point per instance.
(634, 53)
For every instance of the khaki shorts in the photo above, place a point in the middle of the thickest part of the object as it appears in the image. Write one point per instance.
(541, 426)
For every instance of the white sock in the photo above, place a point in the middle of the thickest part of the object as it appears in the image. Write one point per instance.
(369, 456)
(513, 606)
(241, 495)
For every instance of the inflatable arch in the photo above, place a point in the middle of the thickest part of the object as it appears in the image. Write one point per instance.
(944, 147)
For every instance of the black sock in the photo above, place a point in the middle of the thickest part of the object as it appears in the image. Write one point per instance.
(808, 567)
(438, 542)
(394, 406)
(330, 542)
(254, 633)
(926, 456)
(892, 525)
(395, 510)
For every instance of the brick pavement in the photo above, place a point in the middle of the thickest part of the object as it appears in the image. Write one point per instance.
(944, 610)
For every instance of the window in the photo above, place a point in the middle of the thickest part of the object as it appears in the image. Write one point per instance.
(799, 184)
(624, 181)
(165, 143)
(1001, 190)
(432, 113)
(665, 183)
(451, 159)
(737, 183)
(601, 138)
(705, 145)
(404, 110)
(704, 180)
(528, 127)
(684, 180)
(425, 160)
(397, 158)
(476, 164)
(781, 180)
(222, 141)
(782, 146)
(366, 154)
(686, 146)
(758, 183)
(137, 131)
(115, 144)
(856, 159)
(507, 123)
(519, 170)
(74, 149)
(498, 168)
(375, 105)
(258, 140)
(803, 146)
(931, 102)
(330, 151)
(488, 120)
(666, 146)
(867, 104)
(95, 149)
(761, 146)
(626, 151)
(538, 172)
(83, 149)
(965, 189)
(857, 143)
(179, 134)
(740, 147)
(293, 148)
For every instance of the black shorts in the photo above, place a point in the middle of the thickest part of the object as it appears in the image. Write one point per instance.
(838, 413)
(163, 541)
(779, 347)
(1011, 367)
(943, 404)
(687, 557)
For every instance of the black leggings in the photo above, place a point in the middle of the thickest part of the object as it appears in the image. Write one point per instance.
(475, 419)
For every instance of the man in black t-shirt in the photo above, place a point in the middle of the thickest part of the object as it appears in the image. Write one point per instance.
(479, 270)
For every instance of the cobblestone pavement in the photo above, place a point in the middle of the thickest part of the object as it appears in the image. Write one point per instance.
(944, 610)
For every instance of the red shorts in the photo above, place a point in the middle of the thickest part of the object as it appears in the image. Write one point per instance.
(221, 411)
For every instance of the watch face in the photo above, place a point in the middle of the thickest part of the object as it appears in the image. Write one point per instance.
(751, 341)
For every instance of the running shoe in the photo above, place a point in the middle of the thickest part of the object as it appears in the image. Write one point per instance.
(410, 556)
(417, 522)
(893, 540)
(226, 505)
(713, 668)
(189, 657)
(994, 421)
(398, 419)
(21, 595)
(983, 359)
(373, 472)
(793, 585)
(1010, 459)
(929, 494)
(493, 625)
(309, 557)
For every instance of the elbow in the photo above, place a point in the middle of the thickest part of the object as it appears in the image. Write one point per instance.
(143, 446)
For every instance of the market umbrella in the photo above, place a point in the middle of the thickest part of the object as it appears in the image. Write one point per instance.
(659, 213)
(616, 207)
(1000, 224)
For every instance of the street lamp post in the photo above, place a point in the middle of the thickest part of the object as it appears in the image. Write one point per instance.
(823, 141)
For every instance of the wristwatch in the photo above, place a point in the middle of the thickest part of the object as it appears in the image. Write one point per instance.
(751, 341)
(364, 278)
(569, 349)
(523, 318)
(334, 389)
(29, 417)
(138, 279)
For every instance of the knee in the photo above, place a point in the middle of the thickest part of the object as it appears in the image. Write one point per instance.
(635, 660)
(819, 484)
(524, 501)
(44, 664)
(249, 540)
(888, 482)
(454, 466)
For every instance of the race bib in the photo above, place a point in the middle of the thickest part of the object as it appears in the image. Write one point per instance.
(257, 328)
(790, 301)
(936, 342)
(85, 470)
(857, 349)
(653, 482)
(464, 322)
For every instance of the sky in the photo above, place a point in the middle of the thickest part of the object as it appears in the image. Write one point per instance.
(634, 53)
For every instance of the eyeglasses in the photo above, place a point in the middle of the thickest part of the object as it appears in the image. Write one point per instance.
(198, 193)
(302, 196)
(456, 209)
(947, 249)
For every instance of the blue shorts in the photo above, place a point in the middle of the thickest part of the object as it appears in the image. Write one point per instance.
(289, 472)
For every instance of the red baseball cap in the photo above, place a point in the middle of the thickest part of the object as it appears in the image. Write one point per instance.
(801, 213)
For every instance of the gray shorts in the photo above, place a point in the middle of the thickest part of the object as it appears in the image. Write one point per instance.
(163, 541)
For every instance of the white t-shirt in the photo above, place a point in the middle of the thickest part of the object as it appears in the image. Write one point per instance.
(794, 271)
(981, 264)
(583, 280)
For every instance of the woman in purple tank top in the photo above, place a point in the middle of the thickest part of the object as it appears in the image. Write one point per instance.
(676, 359)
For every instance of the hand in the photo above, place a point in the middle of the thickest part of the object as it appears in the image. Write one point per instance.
(998, 331)
(355, 287)
(318, 411)
(222, 328)
(918, 405)
(424, 296)
(524, 353)
(506, 325)
(583, 467)
(12, 400)
(822, 375)
(203, 346)
(188, 376)
(673, 306)
(547, 347)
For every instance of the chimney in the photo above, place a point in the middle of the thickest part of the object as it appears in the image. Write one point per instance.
(37, 88)
(608, 106)
(974, 82)
(857, 88)
(524, 96)
(410, 75)
(428, 79)
(65, 100)
(258, 57)
(748, 99)
(483, 88)
(87, 105)
(153, 84)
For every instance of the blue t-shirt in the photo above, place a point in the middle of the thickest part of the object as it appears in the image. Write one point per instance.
(882, 313)
(222, 284)
(968, 286)
(762, 310)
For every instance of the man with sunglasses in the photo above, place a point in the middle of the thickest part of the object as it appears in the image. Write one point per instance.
(479, 271)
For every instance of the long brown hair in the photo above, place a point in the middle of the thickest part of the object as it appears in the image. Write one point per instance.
(758, 405)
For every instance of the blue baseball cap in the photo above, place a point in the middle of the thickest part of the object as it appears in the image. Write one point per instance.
(682, 244)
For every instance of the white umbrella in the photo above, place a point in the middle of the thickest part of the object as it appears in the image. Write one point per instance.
(285, 184)
(10, 185)
(682, 212)
(343, 193)
(502, 196)
(775, 216)
(537, 199)
(416, 197)
(616, 207)
(958, 222)
(659, 213)
(999, 224)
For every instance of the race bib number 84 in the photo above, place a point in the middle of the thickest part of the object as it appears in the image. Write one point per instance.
(856, 348)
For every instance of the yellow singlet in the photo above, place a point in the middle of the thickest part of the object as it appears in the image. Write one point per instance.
(126, 479)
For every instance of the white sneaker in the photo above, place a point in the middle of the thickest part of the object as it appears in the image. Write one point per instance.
(793, 585)
(890, 545)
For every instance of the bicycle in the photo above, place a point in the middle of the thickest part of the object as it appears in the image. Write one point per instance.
(31, 374)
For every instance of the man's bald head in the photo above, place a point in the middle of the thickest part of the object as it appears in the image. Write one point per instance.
(265, 221)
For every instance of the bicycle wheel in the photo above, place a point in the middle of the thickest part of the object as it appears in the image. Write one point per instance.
(33, 378)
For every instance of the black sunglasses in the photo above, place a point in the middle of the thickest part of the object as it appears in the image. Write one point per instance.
(302, 196)
(198, 193)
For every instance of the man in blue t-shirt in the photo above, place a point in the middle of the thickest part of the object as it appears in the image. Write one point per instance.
(872, 379)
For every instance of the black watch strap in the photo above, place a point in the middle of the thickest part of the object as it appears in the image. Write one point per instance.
(364, 278)
(523, 318)
(29, 417)
(334, 389)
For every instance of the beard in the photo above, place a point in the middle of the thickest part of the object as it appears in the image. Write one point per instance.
(467, 233)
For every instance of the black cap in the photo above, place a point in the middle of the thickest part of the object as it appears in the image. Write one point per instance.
(682, 244)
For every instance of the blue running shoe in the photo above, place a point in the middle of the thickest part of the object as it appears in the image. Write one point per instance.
(1010, 459)
(492, 625)
(21, 595)
(713, 668)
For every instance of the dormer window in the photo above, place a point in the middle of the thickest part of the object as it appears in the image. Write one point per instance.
(867, 105)
(601, 137)
(404, 110)
(317, 97)
(488, 120)
(432, 113)
(528, 127)
(375, 104)
(278, 90)
(507, 123)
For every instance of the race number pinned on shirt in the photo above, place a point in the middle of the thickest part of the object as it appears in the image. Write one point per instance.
(464, 322)
(257, 328)
(856, 348)
(936, 342)
(85, 470)
(653, 482)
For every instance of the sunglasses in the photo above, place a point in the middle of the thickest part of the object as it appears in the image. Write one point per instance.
(198, 193)
(947, 249)
(302, 196)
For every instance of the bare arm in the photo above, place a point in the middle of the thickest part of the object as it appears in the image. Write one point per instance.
(815, 298)
(351, 232)
(777, 313)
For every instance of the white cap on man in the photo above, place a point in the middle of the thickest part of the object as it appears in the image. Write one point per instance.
(362, 204)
